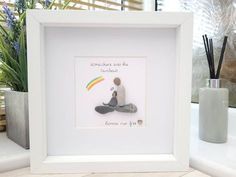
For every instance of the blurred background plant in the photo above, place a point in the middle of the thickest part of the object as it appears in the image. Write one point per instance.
(13, 47)
(13, 52)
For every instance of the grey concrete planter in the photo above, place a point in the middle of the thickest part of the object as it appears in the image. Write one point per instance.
(17, 117)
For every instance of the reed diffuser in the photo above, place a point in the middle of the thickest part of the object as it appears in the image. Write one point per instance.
(213, 99)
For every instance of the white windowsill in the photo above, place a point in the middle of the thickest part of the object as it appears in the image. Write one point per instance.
(215, 159)
(12, 156)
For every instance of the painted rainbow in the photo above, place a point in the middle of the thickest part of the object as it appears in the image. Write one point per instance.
(94, 82)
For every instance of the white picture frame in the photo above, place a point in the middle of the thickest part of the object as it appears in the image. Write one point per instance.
(41, 162)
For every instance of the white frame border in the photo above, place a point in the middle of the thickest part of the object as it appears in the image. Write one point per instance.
(37, 20)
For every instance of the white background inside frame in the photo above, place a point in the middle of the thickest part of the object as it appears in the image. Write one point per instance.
(62, 44)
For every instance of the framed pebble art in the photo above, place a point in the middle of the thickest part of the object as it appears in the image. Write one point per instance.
(109, 91)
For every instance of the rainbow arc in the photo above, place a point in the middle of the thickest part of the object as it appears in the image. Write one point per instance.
(93, 82)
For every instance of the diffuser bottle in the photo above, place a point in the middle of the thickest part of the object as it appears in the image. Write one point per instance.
(213, 112)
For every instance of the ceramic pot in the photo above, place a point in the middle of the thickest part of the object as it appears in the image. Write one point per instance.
(17, 117)
(213, 112)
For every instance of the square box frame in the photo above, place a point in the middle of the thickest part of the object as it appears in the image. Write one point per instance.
(37, 20)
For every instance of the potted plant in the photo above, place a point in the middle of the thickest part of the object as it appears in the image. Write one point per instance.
(13, 67)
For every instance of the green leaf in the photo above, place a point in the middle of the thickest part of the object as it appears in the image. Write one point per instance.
(3, 16)
(66, 4)
(23, 60)
(22, 18)
(6, 56)
(10, 74)
(3, 30)
(51, 5)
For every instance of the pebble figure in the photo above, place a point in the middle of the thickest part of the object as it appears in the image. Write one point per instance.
(120, 91)
(113, 102)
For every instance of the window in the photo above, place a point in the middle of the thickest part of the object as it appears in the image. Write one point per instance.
(116, 5)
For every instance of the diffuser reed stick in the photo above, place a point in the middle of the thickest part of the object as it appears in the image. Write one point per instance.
(221, 57)
(209, 49)
(205, 40)
(212, 54)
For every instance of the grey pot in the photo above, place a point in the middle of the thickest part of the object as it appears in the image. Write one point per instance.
(213, 112)
(17, 117)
